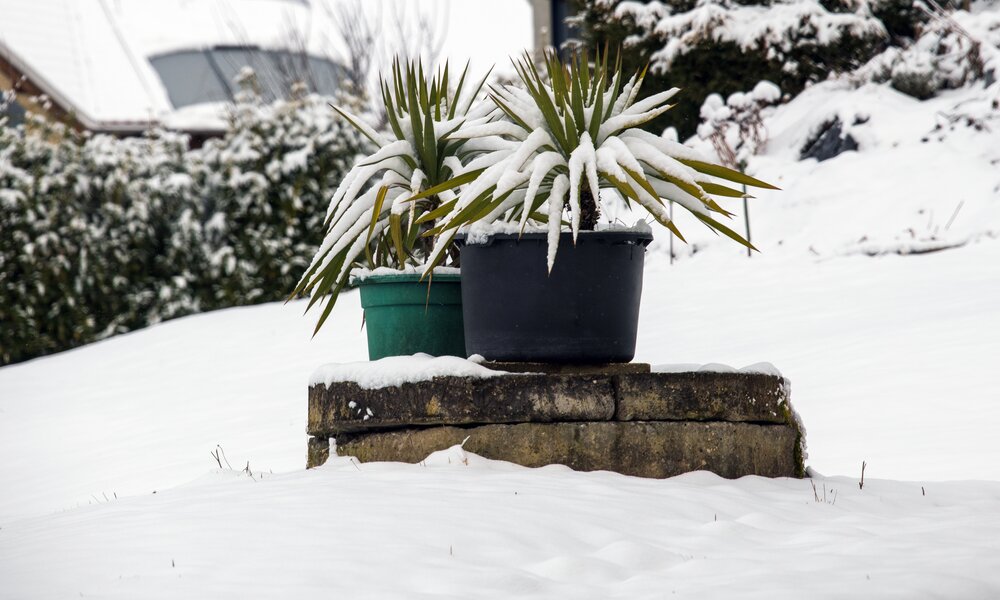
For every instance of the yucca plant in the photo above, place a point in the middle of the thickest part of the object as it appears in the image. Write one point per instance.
(373, 219)
(564, 136)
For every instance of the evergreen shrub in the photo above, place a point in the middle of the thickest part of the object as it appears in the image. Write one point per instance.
(726, 46)
(101, 235)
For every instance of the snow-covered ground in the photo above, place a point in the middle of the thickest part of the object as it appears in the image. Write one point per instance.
(926, 176)
(492, 530)
(892, 359)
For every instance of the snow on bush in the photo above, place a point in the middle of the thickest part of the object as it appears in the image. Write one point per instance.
(103, 235)
(266, 186)
(725, 46)
(734, 126)
(950, 51)
(779, 30)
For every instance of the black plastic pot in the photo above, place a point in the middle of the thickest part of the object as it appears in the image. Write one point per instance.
(585, 311)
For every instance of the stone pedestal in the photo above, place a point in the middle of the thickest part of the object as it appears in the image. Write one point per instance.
(620, 418)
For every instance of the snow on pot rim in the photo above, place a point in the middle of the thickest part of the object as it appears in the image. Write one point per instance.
(407, 273)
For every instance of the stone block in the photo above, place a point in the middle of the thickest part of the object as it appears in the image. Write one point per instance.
(345, 407)
(644, 449)
(317, 451)
(701, 396)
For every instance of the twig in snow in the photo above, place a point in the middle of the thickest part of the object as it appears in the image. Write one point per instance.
(954, 214)
(861, 484)
(220, 455)
(824, 500)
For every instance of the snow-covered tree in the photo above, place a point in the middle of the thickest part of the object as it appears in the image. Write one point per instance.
(950, 49)
(725, 46)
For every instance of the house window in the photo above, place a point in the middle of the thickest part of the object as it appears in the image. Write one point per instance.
(561, 31)
(13, 111)
(199, 76)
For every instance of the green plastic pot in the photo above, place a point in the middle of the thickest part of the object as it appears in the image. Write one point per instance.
(404, 315)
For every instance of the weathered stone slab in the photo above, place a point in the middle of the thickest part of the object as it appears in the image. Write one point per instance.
(645, 449)
(346, 407)
(701, 396)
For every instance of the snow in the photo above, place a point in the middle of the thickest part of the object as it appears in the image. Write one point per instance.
(459, 526)
(762, 368)
(397, 370)
(360, 274)
(207, 116)
(925, 176)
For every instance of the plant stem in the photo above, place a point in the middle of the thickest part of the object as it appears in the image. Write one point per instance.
(746, 217)
(671, 233)
(589, 210)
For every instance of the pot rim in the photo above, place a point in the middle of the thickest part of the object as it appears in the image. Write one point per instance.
(639, 237)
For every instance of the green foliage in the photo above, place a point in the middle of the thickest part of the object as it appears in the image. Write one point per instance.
(704, 61)
(266, 186)
(102, 235)
(388, 200)
(575, 129)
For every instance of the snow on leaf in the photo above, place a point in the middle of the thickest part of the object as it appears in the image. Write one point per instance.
(559, 187)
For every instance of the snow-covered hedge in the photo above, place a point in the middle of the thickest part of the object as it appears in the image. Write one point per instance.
(102, 235)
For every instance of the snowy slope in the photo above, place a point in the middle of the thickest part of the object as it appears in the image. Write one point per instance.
(926, 176)
(892, 358)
